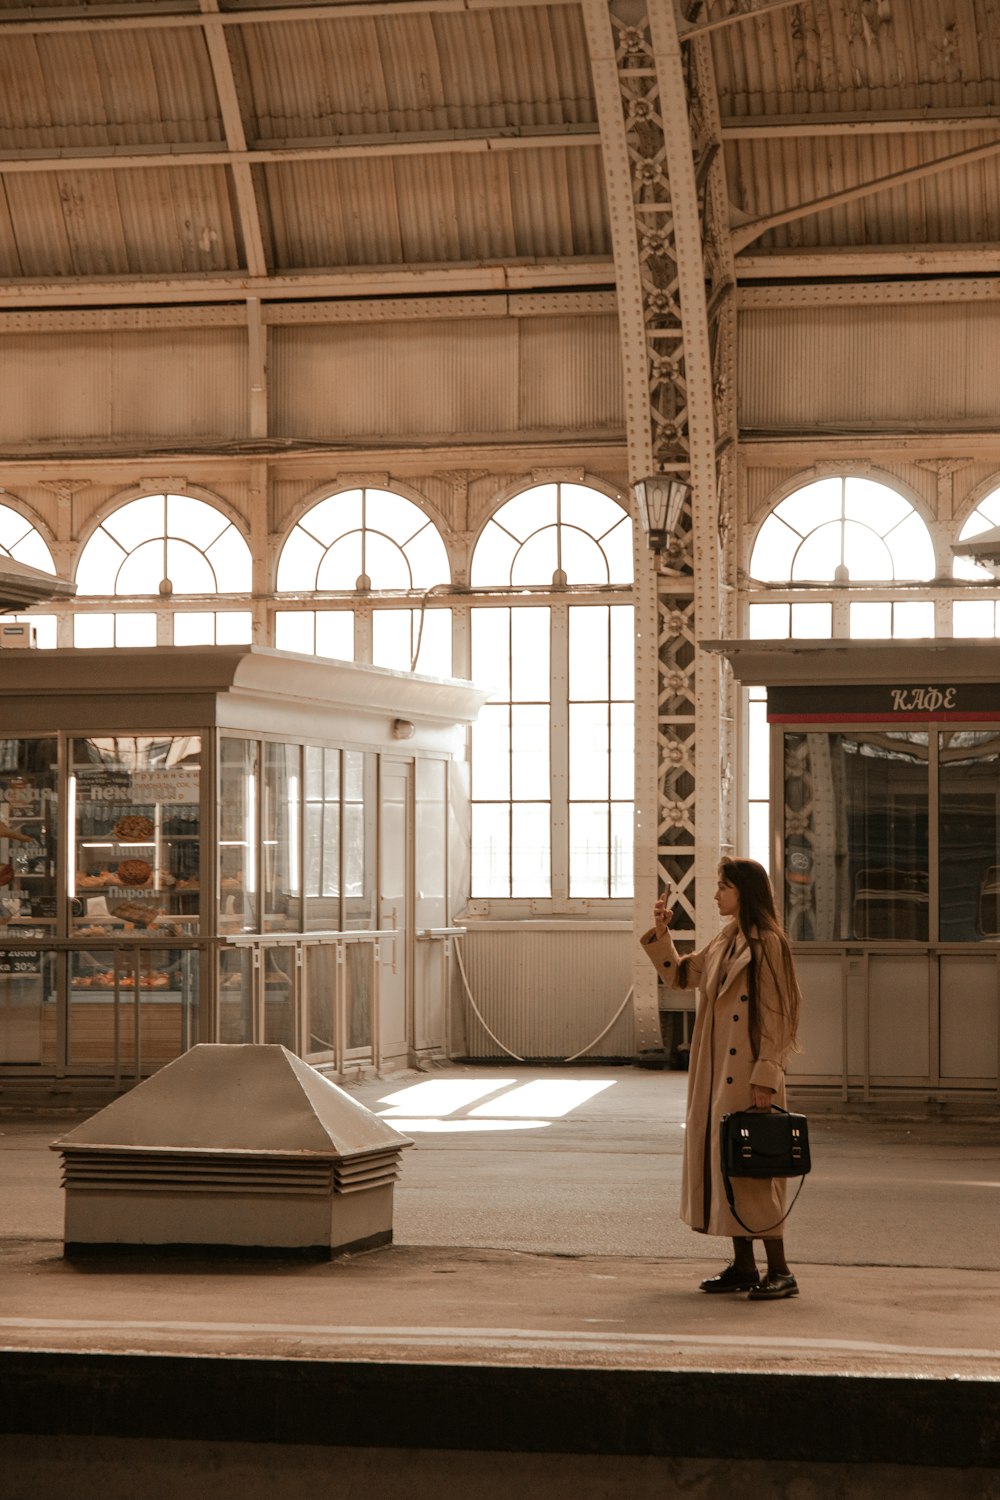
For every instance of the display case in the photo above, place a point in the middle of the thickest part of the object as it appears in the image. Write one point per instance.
(189, 851)
(135, 816)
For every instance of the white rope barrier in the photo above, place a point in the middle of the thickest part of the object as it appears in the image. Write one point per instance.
(492, 1034)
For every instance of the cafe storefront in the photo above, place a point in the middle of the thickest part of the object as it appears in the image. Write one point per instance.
(885, 853)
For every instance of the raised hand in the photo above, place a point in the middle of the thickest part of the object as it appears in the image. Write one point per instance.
(663, 914)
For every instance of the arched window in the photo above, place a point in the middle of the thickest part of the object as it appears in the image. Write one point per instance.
(22, 541)
(836, 531)
(979, 616)
(553, 750)
(360, 544)
(159, 547)
(843, 529)
(555, 533)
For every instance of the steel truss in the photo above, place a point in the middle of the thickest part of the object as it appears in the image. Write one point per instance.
(661, 132)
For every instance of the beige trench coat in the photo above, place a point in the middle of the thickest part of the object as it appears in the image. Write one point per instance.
(722, 1069)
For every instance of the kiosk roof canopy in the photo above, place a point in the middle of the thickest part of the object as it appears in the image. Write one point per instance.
(843, 662)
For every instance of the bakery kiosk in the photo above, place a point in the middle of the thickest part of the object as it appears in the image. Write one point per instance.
(885, 848)
(222, 844)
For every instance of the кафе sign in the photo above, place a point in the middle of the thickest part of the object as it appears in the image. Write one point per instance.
(926, 703)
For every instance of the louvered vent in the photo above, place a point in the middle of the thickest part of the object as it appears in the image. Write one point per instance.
(358, 1173)
(243, 1147)
(167, 1171)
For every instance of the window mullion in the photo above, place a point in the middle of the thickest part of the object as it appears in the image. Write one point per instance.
(363, 633)
(559, 751)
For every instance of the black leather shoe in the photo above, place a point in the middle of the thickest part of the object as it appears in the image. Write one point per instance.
(731, 1280)
(775, 1284)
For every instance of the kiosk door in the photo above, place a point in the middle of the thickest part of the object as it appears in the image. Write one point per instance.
(394, 909)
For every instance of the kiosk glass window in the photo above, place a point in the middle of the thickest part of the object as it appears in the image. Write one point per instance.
(322, 838)
(281, 885)
(238, 776)
(28, 865)
(857, 856)
(133, 880)
(359, 840)
(136, 820)
(969, 834)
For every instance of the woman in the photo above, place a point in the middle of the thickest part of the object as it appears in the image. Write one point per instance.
(744, 1028)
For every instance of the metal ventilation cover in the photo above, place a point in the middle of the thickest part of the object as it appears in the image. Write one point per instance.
(231, 1148)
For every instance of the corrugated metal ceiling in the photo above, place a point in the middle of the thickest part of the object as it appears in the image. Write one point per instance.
(849, 93)
(385, 138)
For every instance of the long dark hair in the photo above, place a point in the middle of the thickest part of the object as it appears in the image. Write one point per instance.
(758, 916)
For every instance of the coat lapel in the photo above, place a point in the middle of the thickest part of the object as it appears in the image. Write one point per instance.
(713, 968)
(720, 975)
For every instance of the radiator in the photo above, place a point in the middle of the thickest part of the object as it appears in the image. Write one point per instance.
(547, 989)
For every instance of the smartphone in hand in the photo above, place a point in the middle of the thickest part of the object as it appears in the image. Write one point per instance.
(663, 911)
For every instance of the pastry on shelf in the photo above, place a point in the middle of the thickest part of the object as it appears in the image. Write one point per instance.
(135, 872)
(6, 874)
(136, 913)
(134, 829)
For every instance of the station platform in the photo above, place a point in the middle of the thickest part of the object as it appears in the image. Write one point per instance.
(536, 1323)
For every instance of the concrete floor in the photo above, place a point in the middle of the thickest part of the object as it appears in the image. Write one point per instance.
(535, 1223)
(536, 1325)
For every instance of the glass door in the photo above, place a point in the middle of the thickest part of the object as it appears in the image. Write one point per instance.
(394, 910)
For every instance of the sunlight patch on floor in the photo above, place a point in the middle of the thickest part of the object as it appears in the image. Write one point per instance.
(449, 1105)
(441, 1096)
(444, 1127)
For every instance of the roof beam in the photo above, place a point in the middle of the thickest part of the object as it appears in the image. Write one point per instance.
(158, 16)
(247, 206)
(311, 311)
(358, 281)
(744, 234)
(699, 28)
(218, 153)
(953, 289)
(852, 122)
(838, 261)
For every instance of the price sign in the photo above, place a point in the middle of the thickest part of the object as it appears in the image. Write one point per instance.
(22, 960)
(165, 786)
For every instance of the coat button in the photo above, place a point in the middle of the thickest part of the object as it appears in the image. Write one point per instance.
(729, 1080)
(736, 1018)
(732, 1052)
(743, 999)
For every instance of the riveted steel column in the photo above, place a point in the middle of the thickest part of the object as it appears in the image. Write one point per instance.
(611, 109)
(683, 130)
(660, 137)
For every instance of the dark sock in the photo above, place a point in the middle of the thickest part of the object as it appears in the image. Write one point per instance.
(743, 1257)
(776, 1262)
